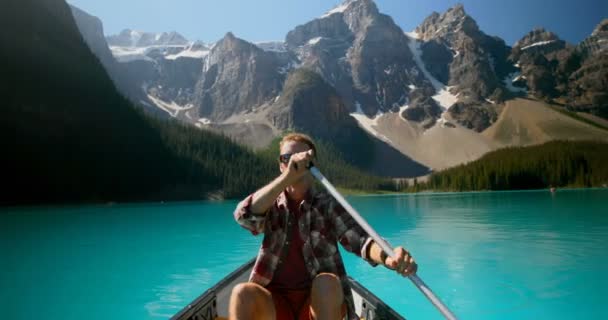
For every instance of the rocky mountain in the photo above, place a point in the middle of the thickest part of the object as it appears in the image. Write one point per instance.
(91, 29)
(596, 43)
(474, 65)
(362, 53)
(353, 70)
(537, 41)
(132, 45)
(575, 76)
(137, 39)
(236, 77)
(164, 69)
(69, 136)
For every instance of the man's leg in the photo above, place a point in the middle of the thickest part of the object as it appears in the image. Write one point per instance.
(326, 297)
(251, 301)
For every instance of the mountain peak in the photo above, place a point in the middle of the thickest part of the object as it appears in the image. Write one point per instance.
(537, 36)
(231, 43)
(138, 39)
(601, 28)
(229, 36)
(455, 19)
(597, 42)
(366, 5)
(457, 10)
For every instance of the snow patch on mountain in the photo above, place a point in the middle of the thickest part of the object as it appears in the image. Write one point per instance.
(188, 53)
(368, 124)
(314, 41)
(136, 36)
(171, 108)
(508, 81)
(536, 44)
(445, 98)
(401, 109)
(443, 95)
(132, 45)
(128, 54)
(339, 9)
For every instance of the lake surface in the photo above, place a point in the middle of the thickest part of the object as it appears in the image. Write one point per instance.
(495, 255)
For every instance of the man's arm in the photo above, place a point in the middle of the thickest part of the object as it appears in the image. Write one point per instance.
(251, 212)
(264, 198)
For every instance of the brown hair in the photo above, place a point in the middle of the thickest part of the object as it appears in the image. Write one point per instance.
(299, 137)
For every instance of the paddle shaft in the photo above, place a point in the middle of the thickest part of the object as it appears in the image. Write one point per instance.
(381, 242)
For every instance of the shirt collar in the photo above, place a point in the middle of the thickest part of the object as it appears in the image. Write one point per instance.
(305, 205)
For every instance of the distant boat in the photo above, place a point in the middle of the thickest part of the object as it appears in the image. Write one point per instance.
(213, 304)
(552, 189)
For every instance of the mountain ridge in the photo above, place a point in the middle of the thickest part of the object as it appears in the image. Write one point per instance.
(448, 74)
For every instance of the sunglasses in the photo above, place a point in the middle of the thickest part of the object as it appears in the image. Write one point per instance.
(284, 158)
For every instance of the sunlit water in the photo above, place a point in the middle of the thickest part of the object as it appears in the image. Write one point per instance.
(511, 255)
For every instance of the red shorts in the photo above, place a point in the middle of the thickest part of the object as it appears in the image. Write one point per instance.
(294, 304)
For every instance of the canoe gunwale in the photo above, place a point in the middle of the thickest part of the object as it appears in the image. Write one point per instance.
(209, 294)
(372, 307)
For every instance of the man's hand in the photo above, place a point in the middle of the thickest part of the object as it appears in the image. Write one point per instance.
(298, 165)
(404, 263)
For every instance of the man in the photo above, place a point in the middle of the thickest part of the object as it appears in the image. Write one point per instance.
(299, 273)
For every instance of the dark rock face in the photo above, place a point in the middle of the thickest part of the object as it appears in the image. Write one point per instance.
(441, 57)
(361, 52)
(575, 75)
(588, 86)
(237, 76)
(308, 103)
(91, 29)
(422, 109)
(597, 43)
(457, 53)
(538, 37)
(537, 41)
(474, 116)
(331, 27)
(175, 80)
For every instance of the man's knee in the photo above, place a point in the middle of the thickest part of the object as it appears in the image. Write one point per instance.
(249, 299)
(247, 291)
(327, 283)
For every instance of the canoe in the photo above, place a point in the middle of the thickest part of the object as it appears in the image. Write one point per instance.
(213, 303)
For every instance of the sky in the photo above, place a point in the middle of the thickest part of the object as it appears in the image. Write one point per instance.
(269, 20)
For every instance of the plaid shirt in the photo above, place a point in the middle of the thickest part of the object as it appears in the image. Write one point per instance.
(323, 223)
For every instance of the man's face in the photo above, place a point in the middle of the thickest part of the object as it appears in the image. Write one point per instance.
(292, 147)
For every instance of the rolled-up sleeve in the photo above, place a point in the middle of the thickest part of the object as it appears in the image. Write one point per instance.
(253, 222)
(350, 235)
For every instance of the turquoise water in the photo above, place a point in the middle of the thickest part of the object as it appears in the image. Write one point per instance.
(512, 255)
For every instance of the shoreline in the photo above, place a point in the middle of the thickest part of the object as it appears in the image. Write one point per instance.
(436, 192)
(345, 192)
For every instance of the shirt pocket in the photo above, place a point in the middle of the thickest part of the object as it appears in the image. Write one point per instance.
(322, 247)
